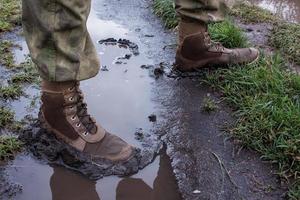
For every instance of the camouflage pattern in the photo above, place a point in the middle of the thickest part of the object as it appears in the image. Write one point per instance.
(201, 10)
(60, 45)
(58, 40)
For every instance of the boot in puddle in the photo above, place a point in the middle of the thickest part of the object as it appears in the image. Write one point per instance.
(196, 50)
(64, 113)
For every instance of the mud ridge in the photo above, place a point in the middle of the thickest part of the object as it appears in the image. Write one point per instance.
(122, 43)
(45, 147)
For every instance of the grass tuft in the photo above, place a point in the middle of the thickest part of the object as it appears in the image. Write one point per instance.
(228, 34)
(28, 74)
(9, 146)
(6, 56)
(6, 117)
(11, 91)
(209, 105)
(10, 14)
(252, 14)
(286, 37)
(294, 193)
(166, 10)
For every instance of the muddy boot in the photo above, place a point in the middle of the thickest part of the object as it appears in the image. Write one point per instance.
(196, 50)
(64, 113)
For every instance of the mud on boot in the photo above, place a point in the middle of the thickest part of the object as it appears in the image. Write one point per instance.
(64, 114)
(48, 149)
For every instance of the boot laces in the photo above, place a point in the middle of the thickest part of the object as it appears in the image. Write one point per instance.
(211, 44)
(82, 113)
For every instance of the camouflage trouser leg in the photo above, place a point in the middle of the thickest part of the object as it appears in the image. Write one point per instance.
(201, 10)
(58, 40)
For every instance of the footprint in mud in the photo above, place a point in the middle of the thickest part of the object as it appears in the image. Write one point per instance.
(122, 43)
(45, 147)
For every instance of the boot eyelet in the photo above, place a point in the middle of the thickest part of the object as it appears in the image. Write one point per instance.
(85, 133)
(71, 99)
(73, 118)
(78, 125)
(71, 89)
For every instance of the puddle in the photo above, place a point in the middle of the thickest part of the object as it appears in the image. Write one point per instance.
(119, 98)
(26, 105)
(40, 181)
(287, 9)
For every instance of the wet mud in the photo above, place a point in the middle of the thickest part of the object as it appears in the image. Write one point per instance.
(207, 163)
(122, 43)
(44, 146)
(120, 98)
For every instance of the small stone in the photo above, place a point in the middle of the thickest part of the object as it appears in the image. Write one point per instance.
(104, 68)
(118, 62)
(127, 56)
(249, 29)
(158, 71)
(196, 192)
(147, 66)
(147, 35)
(139, 134)
(152, 118)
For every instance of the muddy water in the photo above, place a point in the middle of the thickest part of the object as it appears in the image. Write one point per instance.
(287, 9)
(120, 98)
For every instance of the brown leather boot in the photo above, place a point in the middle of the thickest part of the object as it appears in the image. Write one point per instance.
(196, 50)
(64, 113)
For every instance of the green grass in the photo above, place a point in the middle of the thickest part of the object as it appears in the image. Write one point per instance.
(252, 14)
(10, 14)
(228, 34)
(266, 100)
(12, 91)
(294, 193)
(9, 146)
(6, 117)
(6, 55)
(209, 105)
(286, 38)
(28, 73)
(166, 10)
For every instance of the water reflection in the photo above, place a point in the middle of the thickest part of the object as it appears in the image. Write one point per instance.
(287, 9)
(68, 185)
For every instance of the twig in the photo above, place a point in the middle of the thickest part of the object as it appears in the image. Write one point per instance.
(224, 168)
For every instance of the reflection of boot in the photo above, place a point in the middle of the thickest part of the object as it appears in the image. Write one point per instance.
(66, 185)
(133, 189)
(196, 49)
(165, 185)
(64, 113)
